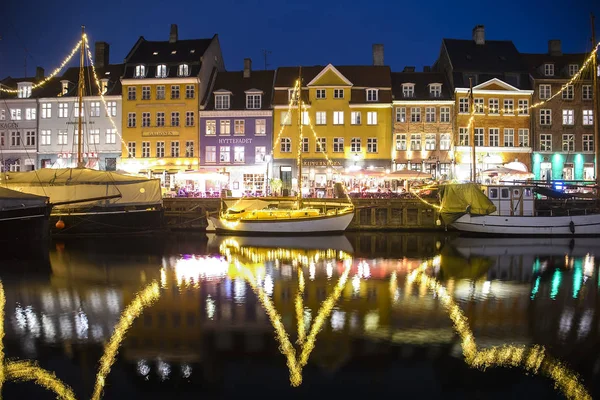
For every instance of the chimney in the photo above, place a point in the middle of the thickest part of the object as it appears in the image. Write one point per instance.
(101, 50)
(408, 69)
(247, 67)
(554, 48)
(426, 68)
(378, 54)
(173, 34)
(479, 34)
(39, 73)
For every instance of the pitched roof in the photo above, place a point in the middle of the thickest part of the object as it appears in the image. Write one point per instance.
(374, 76)
(234, 82)
(534, 63)
(494, 56)
(421, 81)
(111, 72)
(12, 83)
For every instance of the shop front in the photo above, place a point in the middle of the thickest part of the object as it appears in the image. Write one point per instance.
(93, 160)
(563, 166)
(488, 158)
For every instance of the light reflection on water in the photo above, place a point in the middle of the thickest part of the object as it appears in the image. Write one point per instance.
(514, 293)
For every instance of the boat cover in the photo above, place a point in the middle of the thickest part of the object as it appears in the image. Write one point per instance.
(68, 184)
(11, 199)
(461, 199)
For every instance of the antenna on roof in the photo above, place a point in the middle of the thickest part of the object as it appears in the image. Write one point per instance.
(265, 54)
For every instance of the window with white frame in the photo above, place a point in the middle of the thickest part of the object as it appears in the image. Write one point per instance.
(30, 114)
(225, 127)
(210, 154)
(161, 71)
(355, 145)
(568, 117)
(94, 135)
(546, 142)
(76, 110)
(509, 137)
(445, 141)
(338, 145)
(372, 145)
(2, 114)
(568, 92)
(111, 136)
(260, 127)
(408, 90)
(430, 141)
(478, 105)
(46, 110)
(588, 143)
(189, 148)
(320, 93)
(463, 137)
(568, 142)
(63, 110)
(160, 92)
(586, 92)
(24, 90)
(444, 114)
(321, 145)
(131, 93)
(183, 70)
(523, 107)
(63, 137)
(372, 94)
(190, 91)
(545, 92)
(545, 116)
(494, 106)
(338, 118)
(64, 87)
(494, 137)
(400, 141)
(588, 117)
(400, 114)
(523, 137)
(549, 69)
(145, 92)
(160, 118)
(435, 90)
(175, 92)
(140, 71)
(293, 93)
(175, 118)
(145, 119)
(160, 149)
(175, 148)
(211, 127)
(131, 120)
(222, 101)
(415, 142)
(286, 118)
(253, 101)
(371, 117)
(338, 93)
(45, 137)
(131, 149)
(15, 166)
(145, 149)
(305, 145)
(30, 138)
(355, 118)
(94, 109)
(224, 154)
(239, 127)
(463, 105)
(285, 145)
(479, 137)
(321, 117)
(260, 154)
(509, 106)
(190, 117)
(415, 114)
(429, 114)
(573, 69)
(304, 118)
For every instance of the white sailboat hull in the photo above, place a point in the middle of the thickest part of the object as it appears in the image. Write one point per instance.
(300, 226)
(523, 226)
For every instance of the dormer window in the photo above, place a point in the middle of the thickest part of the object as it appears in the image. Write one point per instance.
(408, 90)
(64, 87)
(161, 71)
(549, 69)
(253, 101)
(24, 90)
(140, 71)
(290, 92)
(573, 69)
(184, 70)
(222, 101)
(372, 94)
(103, 85)
(435, 90)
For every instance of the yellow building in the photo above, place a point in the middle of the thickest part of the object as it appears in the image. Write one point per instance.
(163, 83)
(349, 110)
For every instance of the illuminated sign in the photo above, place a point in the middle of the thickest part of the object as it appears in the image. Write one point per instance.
(236, 141)
(321, 163)
(160, 133)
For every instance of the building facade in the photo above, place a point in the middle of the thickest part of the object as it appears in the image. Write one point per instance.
(423, 114)
(564, 127)
(236, 130)
(101, 124)
(346, 123)
(162, 84)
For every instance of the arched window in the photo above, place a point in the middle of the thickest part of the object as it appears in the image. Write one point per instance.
(140, 71)
(161, 71)
(184, 70)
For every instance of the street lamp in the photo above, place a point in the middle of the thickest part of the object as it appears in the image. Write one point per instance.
(268, 160)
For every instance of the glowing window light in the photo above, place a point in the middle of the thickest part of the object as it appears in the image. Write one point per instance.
(48, 304)
(329, 270)
(338, 319)
(312, 270)
(163, 369)
(95, 301)
(355, 285)
(113, 301)
(33, 324)
(64, 300)
(189, 269)
(239, 291)
(19, 322)
(588, 265)
(487, 286)
(81, 325)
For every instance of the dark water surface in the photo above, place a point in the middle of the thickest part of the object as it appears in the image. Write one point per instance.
(351, 316)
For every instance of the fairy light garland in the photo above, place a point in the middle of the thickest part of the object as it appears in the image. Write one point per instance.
(288, 115)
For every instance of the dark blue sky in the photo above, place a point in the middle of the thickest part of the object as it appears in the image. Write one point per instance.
(308, 32)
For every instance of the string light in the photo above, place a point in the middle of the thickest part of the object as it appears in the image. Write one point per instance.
(289, 111)
(300, 306)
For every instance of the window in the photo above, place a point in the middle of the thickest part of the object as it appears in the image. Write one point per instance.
(260, 127)
(523, 137)
(463, 105)
(408, 90)
(174, 92)
(435, 90)
(160, 118)
(415, 114)
(478, 105)
(145, 149)
(292, 93)
(568, 93)
(131, 93)
(415, 141)
(549, 69)
(260, 154)
(161, 71)
(445, 141)
(239, 127)
(94, 135)
(523, 107)
(568, 142)
(304, 146)
(320, 93)
(573, 69)
(238, 154)
(65, 87)
(145, 92)
(160, 149)
(430, 141)
(222, 101)
(494, 106)
(45, 137)
(224, 154)
(400, 141)
(444, 114)
(183, 70)
(372, 118)
(190, 91)
(30, 114)
(111, 108)
(479, 137)
(338, 118)
(545, 116)
(304, 118)
(355, 145)
(130, 148)
(588, 142)
(338, 93)
(15, 138)
(103, 86)
(175, 118)
(321, 145)
(175, 148)
(131, 120)
(210, 154)
(253, 101)
(338, 145)
(400, 114)
(145, 119)
(588, 117)
(190, 118)
(429, 114)
(46, 110)
(15, 166)
(546, 142)
(371, 145)
(463, 137)
(568, 117)
(225, 127)
(211, 127)
(509, 137)
(285, 145)
(321, 117)
(63, 137)
(545, 92)
(509, 106)
(111, 136)
(24, 91)
(63, 110)
(140, 71)
(494, 137)
(586, 92)
(160, 92)
(76, 110)
(189, 148)
(286, 118)
(372, 94)
(355, 118)
(30, 138)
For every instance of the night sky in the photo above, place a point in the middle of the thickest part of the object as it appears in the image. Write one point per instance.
(41, 32)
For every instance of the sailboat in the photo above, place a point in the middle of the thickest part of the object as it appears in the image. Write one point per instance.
(86, 201)
(23, 216)
(261, 216)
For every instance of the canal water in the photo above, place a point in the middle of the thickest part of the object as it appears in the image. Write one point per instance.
(408, 315)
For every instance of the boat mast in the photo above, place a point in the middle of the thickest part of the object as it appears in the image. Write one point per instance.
(80, 163)
(595, 111)
(472, 133)
(298, 102)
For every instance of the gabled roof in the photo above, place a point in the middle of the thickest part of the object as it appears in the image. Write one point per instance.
(422, 80)
(334, 70)
(234, 82)
(535, 62)
(360, 75)
(494, 56)
(111, 72)
(494, 82)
